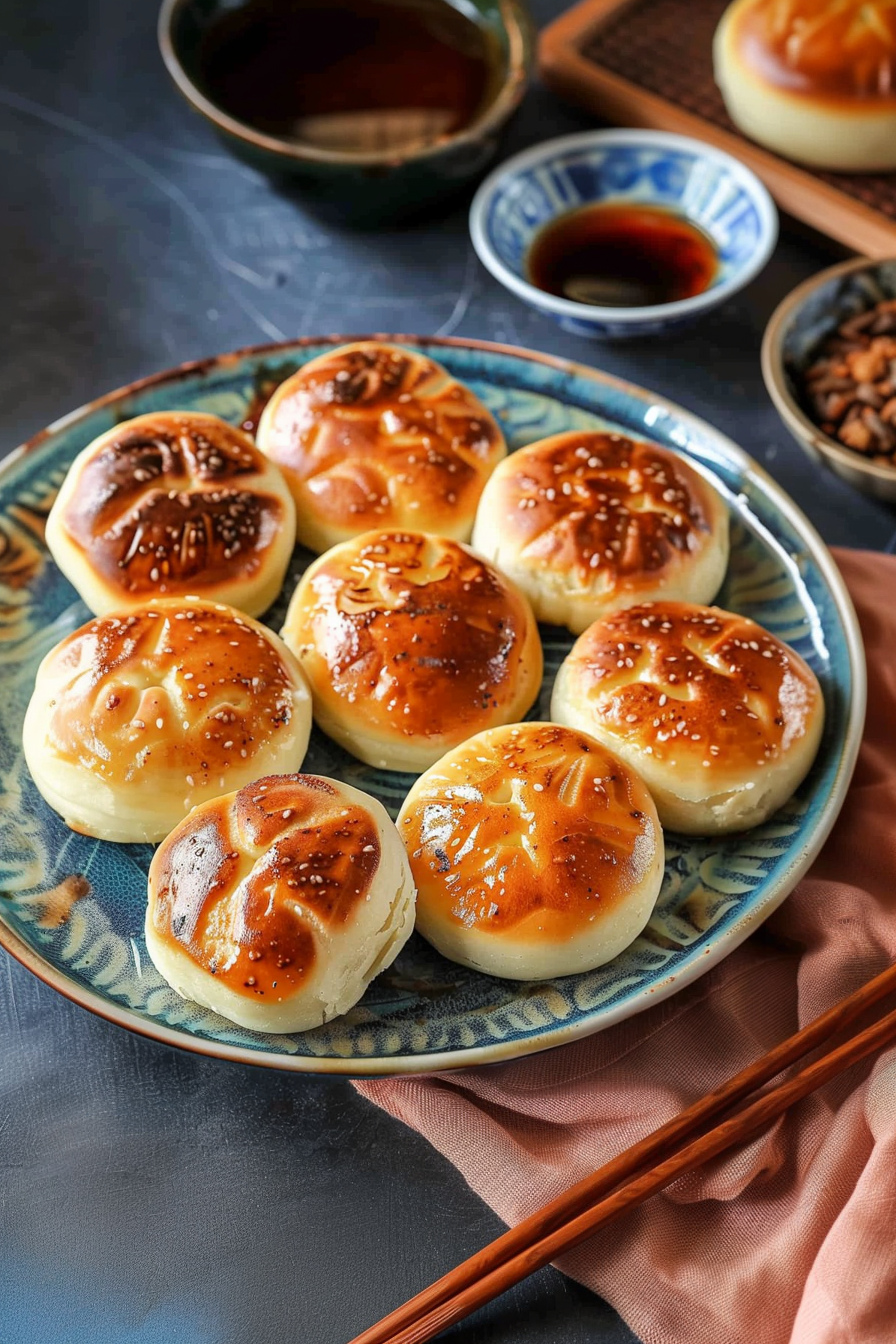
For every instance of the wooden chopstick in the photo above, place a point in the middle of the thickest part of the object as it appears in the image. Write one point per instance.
(742, 1127)
(479, 1278)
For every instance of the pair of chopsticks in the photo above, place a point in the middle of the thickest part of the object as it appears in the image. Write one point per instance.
(678, 1147)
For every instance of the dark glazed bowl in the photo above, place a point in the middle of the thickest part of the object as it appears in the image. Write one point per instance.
(370, 186)
(796, 328)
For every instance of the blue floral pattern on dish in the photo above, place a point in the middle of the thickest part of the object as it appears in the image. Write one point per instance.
(713, 191)
(424, 1012)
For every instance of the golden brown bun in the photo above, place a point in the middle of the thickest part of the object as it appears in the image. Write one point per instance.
(371, 436)
(587, 522)
(536, 852)
(813, 79)
(172, 504)
(720, 719)
(138, 717)
(410, 643)
(277, 905)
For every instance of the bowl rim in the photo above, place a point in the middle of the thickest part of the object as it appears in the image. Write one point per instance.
(777, 383)
(517, 27)
(549, 149)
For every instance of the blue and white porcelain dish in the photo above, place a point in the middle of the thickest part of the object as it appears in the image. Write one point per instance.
(72, 908)
(705, 185)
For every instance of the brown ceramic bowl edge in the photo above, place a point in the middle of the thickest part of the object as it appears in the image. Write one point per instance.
(491, 118)
(869, 477)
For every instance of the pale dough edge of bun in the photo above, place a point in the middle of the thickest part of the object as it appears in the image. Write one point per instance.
(409, 755)
(92, 807)
(850, 140)
(392, 923)
(507, 959)
(556, 602)
(317, 536)
(689, 809)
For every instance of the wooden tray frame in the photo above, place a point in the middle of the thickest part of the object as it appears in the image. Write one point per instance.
(797, 190)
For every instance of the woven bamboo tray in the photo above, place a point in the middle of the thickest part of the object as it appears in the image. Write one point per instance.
(649, 63)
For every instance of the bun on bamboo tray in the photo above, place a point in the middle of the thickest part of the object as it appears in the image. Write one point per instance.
(814, 80)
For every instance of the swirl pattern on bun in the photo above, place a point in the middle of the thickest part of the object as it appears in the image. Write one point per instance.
(375, 436)
(586, 522)
(276, 905)
(136, 718)
(536, 852)
(170, 504)
(410, 644)
(720, 719)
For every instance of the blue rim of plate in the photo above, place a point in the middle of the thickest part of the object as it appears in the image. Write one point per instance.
(715, 897)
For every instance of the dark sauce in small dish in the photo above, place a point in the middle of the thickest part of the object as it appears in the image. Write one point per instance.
(350, 75)
(622, 256)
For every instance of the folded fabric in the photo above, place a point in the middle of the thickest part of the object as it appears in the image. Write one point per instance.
(790, 1239)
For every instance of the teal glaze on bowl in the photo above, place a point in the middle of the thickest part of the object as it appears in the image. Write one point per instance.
(424, 1013)
(366, 188)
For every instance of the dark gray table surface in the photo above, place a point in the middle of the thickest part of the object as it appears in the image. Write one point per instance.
(149, 1196)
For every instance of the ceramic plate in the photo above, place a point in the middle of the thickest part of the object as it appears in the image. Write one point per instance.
(71, 908)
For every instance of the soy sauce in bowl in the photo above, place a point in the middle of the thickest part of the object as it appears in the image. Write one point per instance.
(350, 76)
(622, 256)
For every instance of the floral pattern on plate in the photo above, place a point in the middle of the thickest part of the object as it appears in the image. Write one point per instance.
(71, 908)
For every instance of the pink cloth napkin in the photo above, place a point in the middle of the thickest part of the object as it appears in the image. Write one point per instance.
(792, 1238)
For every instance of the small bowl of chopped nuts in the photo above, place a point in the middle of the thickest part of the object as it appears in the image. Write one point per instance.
(829, 364)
